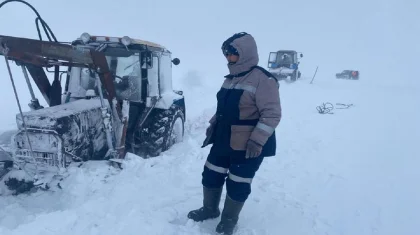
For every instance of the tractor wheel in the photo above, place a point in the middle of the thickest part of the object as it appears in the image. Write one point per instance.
(162, 129)
(294, 76)
(176, 131)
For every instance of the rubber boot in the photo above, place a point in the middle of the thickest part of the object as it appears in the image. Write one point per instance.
(210, 208)
(230, 216)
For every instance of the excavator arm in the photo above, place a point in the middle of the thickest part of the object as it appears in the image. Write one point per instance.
(36, 55)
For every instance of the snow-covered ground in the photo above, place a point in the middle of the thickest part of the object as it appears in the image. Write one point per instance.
(351, 172)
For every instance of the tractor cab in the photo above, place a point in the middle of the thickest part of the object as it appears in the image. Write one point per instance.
(284, 58)
(140, 69)
(141, 73)
(284, 63)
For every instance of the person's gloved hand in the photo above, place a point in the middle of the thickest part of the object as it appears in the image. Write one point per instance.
(209, 138)
(253, 149)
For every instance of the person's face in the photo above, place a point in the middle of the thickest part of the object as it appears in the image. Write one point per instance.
(232, 58)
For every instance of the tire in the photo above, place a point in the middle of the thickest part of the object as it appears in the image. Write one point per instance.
(176, 130)
(162, 129)
(294, 76)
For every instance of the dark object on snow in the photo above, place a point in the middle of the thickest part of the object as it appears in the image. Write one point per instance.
(19, 186)
(327, 108)
(316, 70)
(348, 74)
(5, 166)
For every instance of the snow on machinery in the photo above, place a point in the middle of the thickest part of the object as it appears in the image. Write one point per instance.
(284, 63)
(117, 98)
(348, 74)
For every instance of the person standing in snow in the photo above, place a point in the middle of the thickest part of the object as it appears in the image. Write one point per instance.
(242, 132)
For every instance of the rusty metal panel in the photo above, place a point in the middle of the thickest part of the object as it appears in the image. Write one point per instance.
(36, 51)
(41, 80)
(37, 54)
(104, 74)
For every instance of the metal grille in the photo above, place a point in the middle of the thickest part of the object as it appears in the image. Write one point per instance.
(42, 158)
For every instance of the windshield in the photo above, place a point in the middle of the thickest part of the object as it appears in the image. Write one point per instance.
(281, 58)
(285, 58)
(273, 57)
(127, 78)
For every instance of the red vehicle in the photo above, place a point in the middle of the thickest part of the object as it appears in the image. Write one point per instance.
(348, 74)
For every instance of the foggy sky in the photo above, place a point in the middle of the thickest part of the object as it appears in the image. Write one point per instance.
(381, 38)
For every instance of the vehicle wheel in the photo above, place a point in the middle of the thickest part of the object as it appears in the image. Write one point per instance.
(294, 76)
(176, 131)
(162, 129)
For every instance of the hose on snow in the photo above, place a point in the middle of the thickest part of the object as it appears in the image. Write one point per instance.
(327, 108)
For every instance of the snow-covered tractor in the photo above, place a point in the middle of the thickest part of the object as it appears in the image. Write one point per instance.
(284, 63)
(108, 96)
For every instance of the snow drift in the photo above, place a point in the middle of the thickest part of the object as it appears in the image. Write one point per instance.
(351, 171)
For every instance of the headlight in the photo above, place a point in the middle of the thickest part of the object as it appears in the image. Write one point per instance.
(85, 37)
(126, 40)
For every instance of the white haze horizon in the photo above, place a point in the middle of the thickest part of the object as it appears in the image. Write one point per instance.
(378, 38)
